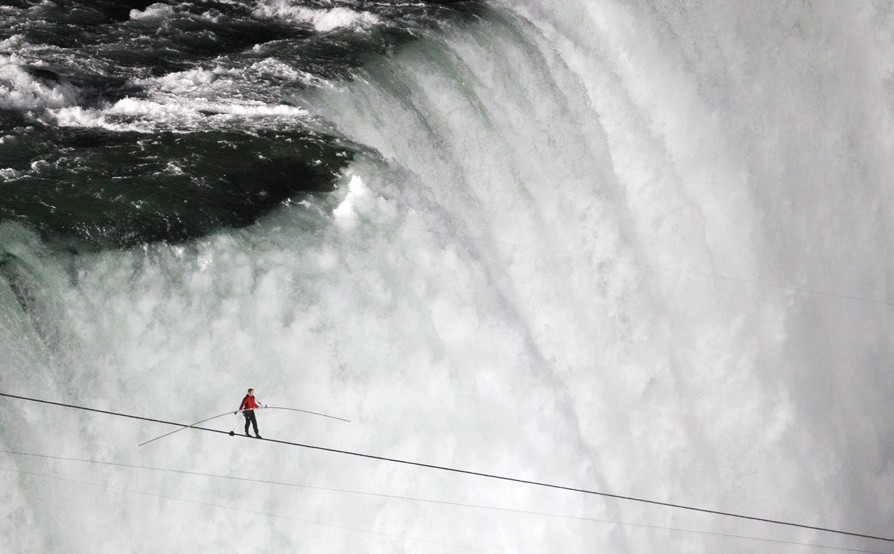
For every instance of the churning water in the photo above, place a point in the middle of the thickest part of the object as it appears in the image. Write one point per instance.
(636, 247)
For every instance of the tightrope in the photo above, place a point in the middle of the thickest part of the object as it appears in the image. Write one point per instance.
(469, 472)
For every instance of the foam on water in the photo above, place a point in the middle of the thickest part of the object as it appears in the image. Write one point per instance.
(21, 90)
(187, 101)
(322, 20)
(155, 11)
(148, 116)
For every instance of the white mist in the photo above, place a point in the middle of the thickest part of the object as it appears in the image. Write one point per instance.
(635, 249)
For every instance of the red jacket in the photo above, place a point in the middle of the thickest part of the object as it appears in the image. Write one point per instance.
(249, 403)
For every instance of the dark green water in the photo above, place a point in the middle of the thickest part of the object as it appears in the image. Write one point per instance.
(129, 122)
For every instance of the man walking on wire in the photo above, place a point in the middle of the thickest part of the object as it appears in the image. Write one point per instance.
(248, 407)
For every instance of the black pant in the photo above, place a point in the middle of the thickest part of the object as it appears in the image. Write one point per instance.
(250, 418)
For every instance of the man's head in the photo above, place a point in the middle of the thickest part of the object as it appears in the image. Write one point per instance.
(251, 392)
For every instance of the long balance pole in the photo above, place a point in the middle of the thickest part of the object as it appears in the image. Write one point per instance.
(225, 413)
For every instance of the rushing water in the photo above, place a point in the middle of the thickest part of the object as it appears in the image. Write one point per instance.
(643, 248)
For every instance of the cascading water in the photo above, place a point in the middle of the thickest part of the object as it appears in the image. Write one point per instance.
(631, 247)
